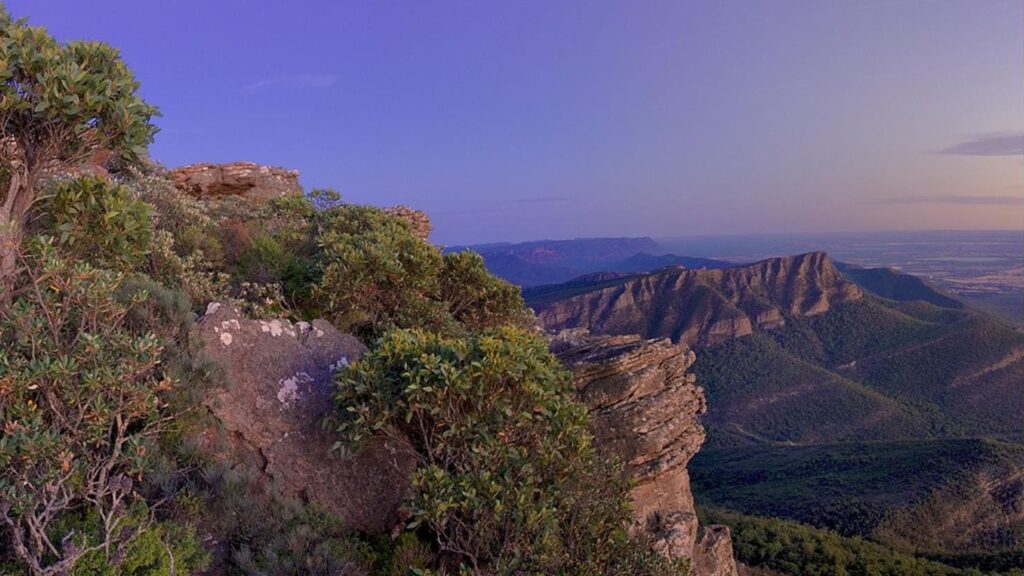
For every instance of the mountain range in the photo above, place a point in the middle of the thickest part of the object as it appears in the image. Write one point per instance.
(554, 261)
(863, 400)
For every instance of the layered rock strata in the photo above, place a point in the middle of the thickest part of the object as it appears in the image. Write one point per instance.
(645, 408)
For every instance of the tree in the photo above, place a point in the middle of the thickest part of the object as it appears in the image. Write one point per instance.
(59, 104)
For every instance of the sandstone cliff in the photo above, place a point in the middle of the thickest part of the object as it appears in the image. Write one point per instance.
(236, 179)
(702, 307)
(645, 408)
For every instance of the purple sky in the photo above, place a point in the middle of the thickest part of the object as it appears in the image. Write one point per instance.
(518, 120)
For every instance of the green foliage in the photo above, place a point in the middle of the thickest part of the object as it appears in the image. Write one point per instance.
(59, 103)
(276, 536)
(99, 221)
(376, 274)
(508, 480)
(80, 410)
(476, 298)
(846, 487)
(162, 549)
(65, 100)
(799, 550)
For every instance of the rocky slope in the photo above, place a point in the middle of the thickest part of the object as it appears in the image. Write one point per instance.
(645, 407)
(704, 307)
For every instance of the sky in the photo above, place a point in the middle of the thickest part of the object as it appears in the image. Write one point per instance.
(528, 119)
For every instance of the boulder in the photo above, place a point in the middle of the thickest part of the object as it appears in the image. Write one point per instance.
(246, 179)
(645, 407)
(267, 417)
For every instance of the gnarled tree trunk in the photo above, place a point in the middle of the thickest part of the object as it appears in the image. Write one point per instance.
(20, 193)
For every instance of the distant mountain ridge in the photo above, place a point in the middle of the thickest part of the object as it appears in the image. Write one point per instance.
(703, 307)
(545, 262)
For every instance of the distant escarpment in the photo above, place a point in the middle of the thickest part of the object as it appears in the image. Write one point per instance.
(702, 307)
(545, 262)
(645, 408)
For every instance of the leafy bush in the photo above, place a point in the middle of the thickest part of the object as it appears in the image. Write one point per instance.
(508, 480)
(163, 549)
(80, 411)
(376, 274)
(476, 298)
(97, 220)
(268, 534)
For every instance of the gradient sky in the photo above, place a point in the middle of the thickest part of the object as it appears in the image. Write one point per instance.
(517, 120)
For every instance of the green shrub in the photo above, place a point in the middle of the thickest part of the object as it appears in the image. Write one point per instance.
(508, 479)
(476, 298)
(80, 412)
(376, 273)
(268, 534)
(162, 549)
(99, 221)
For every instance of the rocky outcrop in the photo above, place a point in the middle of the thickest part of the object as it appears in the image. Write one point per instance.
(418, 220)
(704, 307)
(267, 416)
(245, 179)
(645, 408)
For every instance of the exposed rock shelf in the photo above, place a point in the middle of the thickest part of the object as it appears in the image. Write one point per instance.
(246, 179)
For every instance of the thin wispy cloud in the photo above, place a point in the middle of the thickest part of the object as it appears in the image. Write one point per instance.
(538, 200)
(503, 206)
(999, 144)
(294, 81)
(1000, 200)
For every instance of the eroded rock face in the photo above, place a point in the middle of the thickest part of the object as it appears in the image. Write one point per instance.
(645, 407)
(276, 392)
(418, 220)
(246, 179)
(713, 555)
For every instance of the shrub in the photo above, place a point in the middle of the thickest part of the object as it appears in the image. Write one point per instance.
(272, 535)
(508, 480)
(476, 298)
(80, 411)
(376, 273)
(97, 220)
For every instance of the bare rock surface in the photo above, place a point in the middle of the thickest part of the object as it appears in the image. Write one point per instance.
(268, 413)
(246, 179)
(418, 220)
(645, 408)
